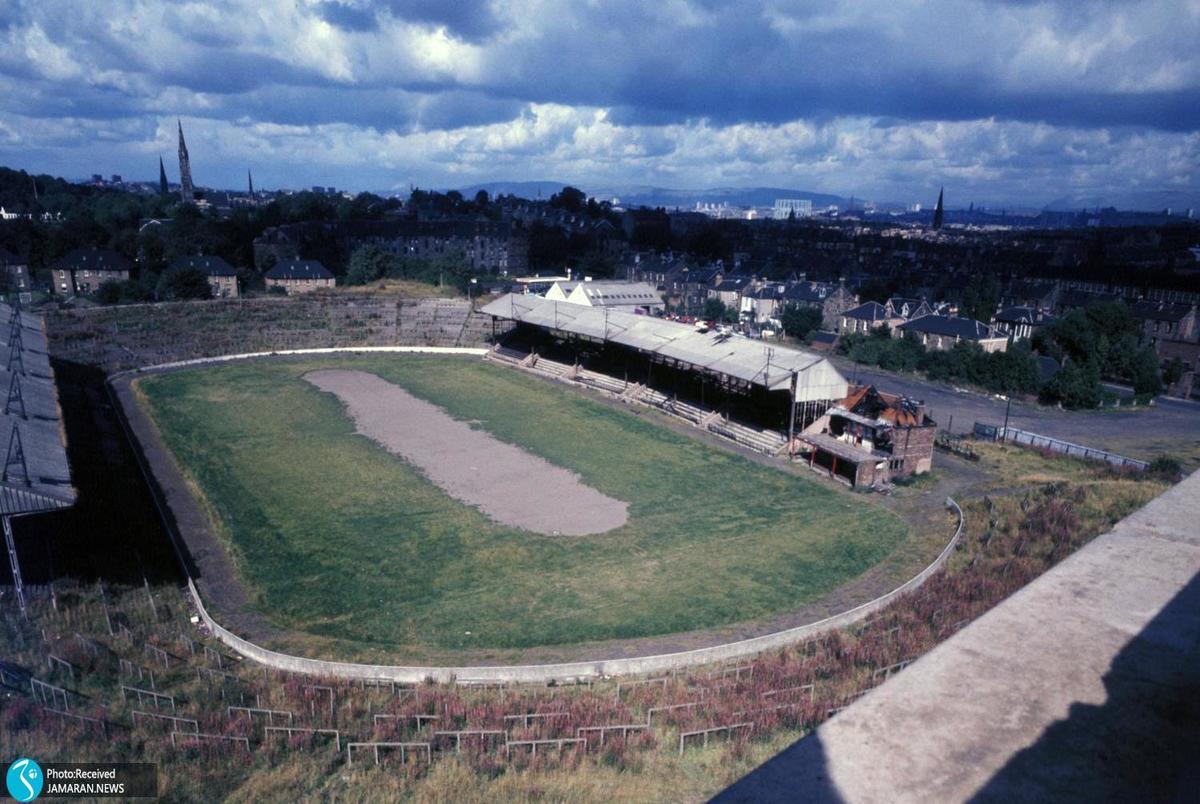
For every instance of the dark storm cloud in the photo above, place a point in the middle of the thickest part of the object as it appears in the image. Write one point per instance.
(740, 67)
(1096, 93)
(379, 109)
(347, 17)
(472, 20)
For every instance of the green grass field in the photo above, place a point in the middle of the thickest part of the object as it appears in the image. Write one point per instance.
(336, 537)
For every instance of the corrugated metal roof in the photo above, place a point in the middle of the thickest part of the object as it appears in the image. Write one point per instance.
(43, 441)
(734, 356)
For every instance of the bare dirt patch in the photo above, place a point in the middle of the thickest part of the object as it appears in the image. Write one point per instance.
(508, 484)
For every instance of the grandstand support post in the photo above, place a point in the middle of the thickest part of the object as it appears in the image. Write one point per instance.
(792, 417)
(16, 456)
(18, 584)
(16, 402)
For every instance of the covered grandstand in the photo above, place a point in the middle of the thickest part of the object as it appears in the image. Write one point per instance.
(769, 385)
(36, 476)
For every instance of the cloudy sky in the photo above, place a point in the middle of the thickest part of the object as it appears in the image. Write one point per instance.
(1000, 100)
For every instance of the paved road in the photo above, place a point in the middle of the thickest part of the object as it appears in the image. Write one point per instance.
(1082, 686)
(1170, 425)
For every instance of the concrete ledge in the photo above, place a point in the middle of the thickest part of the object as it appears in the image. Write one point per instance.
(1084, 685)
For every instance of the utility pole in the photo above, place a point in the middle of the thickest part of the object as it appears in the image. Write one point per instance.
(1007, 410)
(792, 417)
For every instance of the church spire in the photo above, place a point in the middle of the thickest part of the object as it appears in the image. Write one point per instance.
(186, 191)
(162, 177)
(938, 212)
(250, 181)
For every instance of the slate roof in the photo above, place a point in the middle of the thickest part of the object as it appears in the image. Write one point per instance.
(771, 290)
(809, 291)
(732, 284)
(951, 326)
(212, 266)
(1160, 311)
(299, 269)
(1081, 298)
(870, 311)
(1024, 315)
(9, 258)
(94, 259)
(906, 307)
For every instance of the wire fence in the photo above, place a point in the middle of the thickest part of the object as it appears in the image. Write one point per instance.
(1013, 435)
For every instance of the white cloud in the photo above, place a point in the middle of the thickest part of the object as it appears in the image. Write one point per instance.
(880, 102)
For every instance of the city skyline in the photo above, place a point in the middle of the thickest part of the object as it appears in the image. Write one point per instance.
(1001, 102)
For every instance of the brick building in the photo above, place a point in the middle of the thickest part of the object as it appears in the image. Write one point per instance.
(222, 278)
(17, 269)
(871, 437)
(942, 332)
(299, 276)
(489, 247)
(84, 270)
(868, 316)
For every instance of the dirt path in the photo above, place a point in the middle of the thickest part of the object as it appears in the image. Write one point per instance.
(510, 485)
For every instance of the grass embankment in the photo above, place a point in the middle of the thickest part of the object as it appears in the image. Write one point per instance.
(338, 538)
(402, 288)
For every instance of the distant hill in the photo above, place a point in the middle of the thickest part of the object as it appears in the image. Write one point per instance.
(521, 189)
(650, 196)
(1179, 201)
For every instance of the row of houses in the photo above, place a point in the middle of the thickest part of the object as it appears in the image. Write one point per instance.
(489, 247)
(934, 325)
(83, 271)
(687, 287)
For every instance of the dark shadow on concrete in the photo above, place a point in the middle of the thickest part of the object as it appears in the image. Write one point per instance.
(113, 532)
(1142, 744)
(798, 773)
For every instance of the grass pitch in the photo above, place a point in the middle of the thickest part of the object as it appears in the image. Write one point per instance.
(336, 537)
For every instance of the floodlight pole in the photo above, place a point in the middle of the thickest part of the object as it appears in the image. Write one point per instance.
(792, 418)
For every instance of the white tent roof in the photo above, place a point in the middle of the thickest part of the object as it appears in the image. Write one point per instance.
(734, 356)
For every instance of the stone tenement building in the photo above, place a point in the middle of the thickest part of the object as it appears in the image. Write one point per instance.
(84, 270)
(490, 247)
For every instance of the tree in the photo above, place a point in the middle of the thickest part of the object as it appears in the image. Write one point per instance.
(368, 263)
(570, 199)
(1174, 372)
(714, 309)
(1076, 385)
(185, 283)
(798, 321)
(707, 242)
(980, 298)
(1145, 373)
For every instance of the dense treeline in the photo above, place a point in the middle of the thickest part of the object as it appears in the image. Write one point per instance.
(1102, 342)
(1013, 371)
